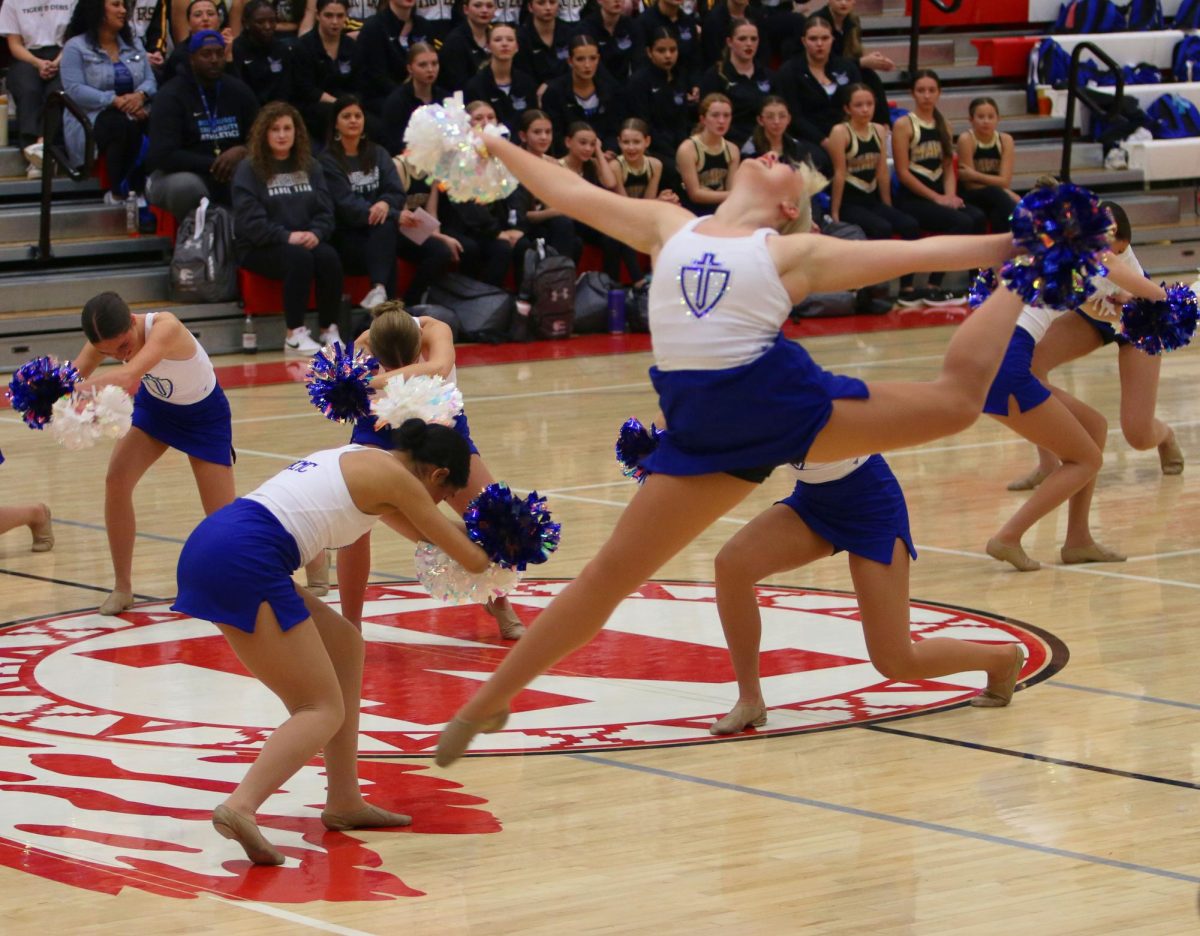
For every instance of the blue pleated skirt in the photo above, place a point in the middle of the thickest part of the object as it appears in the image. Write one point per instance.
(365, 433)
(202, 430)
(863, 513)
(236, 559)
(1015, 379)
(758, 415)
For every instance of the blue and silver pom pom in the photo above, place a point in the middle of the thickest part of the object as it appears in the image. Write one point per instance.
(1156, 326)
(1062, 230)
(339, 382)
(634, 443)
(37, 386)
(441, 143)
(448, 581)
(514, 532)
(984, 285)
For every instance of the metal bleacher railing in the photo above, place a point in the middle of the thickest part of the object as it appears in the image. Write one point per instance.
(54, 156)
(1073, 94)
(914, 34)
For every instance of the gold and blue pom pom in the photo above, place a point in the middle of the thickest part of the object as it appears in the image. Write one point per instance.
(446, 580)
(441, 143)
(37, 386)
(1157, 326)
(339, 382)
(984, 285)
(514, 532)
(1062, 230)
(634, 443)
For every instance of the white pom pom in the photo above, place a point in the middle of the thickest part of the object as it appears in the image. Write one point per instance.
(448, 581)
(433, 399)
(73, 423)
(114, 411)
(441, 143)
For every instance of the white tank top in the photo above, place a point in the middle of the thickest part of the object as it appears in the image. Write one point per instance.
(1036, 320)
(715, 302)
(823, 472)
(453, 376)
(310, 499)
(180, 382)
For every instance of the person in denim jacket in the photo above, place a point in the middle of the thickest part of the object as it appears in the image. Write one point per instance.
(106, 72)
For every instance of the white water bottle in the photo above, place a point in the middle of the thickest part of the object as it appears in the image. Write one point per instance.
(249, 338)
(131, 215)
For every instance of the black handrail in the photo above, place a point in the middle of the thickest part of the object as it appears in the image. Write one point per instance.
(54, 155)
(1073, 93)
(914, 34)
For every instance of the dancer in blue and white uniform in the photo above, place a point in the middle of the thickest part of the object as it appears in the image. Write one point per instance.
(408, 346)
(855, 505)
(739, 398)
(177, 404)
(236, 571)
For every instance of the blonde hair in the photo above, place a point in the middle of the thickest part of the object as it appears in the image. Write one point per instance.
(394, 336)
(813, 182)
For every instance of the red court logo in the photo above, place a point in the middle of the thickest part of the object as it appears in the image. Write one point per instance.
(658, 674)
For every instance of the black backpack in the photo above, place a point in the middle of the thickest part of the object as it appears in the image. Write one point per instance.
(548, 285)
(204, 266)
(485, 311)
(591, 302)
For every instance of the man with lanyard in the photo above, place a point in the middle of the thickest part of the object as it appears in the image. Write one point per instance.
(198, 130)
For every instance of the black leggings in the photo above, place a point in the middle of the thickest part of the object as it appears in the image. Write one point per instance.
(995, 203)
(370, 249)
(614, 252)
(299, 268)
(484, 257)
(878, 221)
(120, 140)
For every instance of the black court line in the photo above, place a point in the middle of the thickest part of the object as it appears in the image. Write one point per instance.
(1026, 755)
(70, 584)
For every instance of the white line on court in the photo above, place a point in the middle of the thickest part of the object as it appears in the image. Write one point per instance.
(288, 915)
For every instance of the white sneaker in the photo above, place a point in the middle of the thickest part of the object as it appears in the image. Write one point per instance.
(300, 342)
(33, 172)
(330, 335)
(111, 200)
(377, 295)
(33, 153)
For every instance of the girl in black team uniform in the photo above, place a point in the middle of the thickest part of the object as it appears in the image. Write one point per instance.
(585, 93)
(465, 49)
(614, 33)
(706, 160)
(422, 87)
(510, 91)
(640, 174)
(740, 77)
(658, 94)
(985, 165)
(923, 153)
(545, 42)
(538, 221)
(860, 190)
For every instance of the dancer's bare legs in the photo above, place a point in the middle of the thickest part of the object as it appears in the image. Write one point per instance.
(34, 516)
(131, 458)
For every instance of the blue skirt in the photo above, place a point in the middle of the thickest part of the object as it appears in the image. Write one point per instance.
(1108, 334)
(1015, 379)
(365, 433)
(863, 513)
(236, 559)
(202, 430)
(758, 415)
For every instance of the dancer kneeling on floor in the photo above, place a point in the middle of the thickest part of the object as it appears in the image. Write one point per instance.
(854, 505)
(236, 571)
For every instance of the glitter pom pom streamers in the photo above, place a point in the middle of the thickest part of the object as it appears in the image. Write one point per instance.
(448, 581)
(83, 419)
(37, 386)
(339, 382)
(514, 532)
(1062, 229)
(634, 443)
(983, 286)
(441, 142)
(1158, 326)
(433, 399)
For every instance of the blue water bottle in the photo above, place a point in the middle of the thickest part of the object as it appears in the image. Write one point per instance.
(616, 311)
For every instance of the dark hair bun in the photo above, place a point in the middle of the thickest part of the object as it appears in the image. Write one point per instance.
(412, 433)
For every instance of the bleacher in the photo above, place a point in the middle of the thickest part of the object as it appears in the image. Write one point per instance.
(976, 50)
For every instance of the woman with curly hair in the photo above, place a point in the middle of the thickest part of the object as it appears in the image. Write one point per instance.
(283, 218)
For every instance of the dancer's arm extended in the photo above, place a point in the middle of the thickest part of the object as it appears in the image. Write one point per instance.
(1130, 280)
(642, 224)
(167, 336)
(812, 263)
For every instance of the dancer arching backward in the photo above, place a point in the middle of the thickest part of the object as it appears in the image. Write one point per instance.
(410, 346)
(177, 404)
(1055, 420)
(236, 571)
(1073, 336)
(738, 398)
(854, 505)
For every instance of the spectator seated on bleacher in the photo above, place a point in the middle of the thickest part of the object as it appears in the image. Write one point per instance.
(105, 71)
(198, 130)
(260, 58)
(986, 156)
(706, 161)
(669, 14)
(585, 93)
(508, 90)
(466, 47)
(533, 217)
(657, 93)
(151, 21)
(718, 26)
(381, 50)
(35, 32)
(813, 82)
(739, 76)
(544, 40)
(614, 32)
(771, 135)
(293, 18)
(419, 89)
(847, 43)
(183, 24)
(324, 63)
(283, 224)
(201, 15)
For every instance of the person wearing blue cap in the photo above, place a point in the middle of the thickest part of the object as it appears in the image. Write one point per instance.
(198, 129)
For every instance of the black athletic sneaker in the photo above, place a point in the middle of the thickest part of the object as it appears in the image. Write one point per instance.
(936, 298)
(911, 298)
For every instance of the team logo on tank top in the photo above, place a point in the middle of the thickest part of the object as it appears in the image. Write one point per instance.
(161, 387)
(703, 283)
